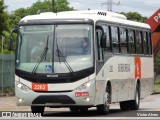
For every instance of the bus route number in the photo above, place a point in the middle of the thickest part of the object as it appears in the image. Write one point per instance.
(39, 87)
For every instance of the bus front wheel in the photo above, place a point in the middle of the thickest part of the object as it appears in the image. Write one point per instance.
(104, 108)
(37, 109)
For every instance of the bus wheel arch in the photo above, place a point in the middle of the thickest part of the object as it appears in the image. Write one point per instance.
(104, 108)
(109, 90)
(134, 104)
(37, 109)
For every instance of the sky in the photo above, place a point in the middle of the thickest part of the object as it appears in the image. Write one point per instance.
(144, 7)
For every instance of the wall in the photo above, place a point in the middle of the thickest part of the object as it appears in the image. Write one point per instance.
(7, 72)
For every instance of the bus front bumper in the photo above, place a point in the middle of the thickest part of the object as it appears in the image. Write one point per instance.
(28, 97)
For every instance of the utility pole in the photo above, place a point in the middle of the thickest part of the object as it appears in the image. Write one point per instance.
(109, 4)
(52, 5)
(2, 63)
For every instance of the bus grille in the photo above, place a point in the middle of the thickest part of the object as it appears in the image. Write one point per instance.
(63, 99)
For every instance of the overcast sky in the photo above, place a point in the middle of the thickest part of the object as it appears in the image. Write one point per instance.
(144, 7)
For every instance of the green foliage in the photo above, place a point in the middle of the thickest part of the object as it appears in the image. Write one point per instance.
(36, 8)
(157, 64)
(134, 16)
(40, 7)
(46, 6)
(156, 89)
(157, 82)
(4, 25)
(4, 21)
(62, 5)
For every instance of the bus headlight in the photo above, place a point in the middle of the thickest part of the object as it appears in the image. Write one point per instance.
(22, 87)
(85, 85)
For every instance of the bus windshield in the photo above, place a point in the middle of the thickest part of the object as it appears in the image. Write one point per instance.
(69, 47)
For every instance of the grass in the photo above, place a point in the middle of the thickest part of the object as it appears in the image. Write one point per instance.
(156, 86)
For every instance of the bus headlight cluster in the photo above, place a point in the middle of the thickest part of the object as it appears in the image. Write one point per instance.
(22, 87)
(85, 85)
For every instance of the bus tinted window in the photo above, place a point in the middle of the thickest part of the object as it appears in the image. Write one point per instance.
(123, 40)
(145, 43)
(138, 42)
(131, 41)
(108, 44)
(115, 41)
(150, 42)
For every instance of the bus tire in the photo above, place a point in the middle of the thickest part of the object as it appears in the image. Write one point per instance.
(37, 109)
(134, 104)
(83, 109)
(124, 105)
(73, 109)
(104, 108)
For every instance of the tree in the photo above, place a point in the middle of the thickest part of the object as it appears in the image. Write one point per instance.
(38, 7)
(46, 6)
(134, 16)
(4, 24)
(157, 64)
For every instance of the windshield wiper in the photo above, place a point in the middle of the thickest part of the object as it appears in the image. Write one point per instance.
(42, 56)
(60, 55)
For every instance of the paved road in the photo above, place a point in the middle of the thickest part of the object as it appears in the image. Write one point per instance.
(151, 104)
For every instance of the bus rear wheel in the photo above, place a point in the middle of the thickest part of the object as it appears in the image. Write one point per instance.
(37, 109)
(124, 105)
(134, 104)
(81, 108)
(73, 109)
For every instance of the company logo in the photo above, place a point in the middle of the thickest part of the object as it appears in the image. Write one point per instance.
(157, 18)
(6, 114)
(16, 114)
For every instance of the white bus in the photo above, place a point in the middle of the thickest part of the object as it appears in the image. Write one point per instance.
(82, 59)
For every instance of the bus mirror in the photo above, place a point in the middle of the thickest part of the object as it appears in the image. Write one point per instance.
(103, 41)
(10, 41)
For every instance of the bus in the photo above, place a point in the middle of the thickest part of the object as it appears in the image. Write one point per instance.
(82, 59)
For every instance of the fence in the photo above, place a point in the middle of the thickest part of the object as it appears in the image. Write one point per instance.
(7, 73)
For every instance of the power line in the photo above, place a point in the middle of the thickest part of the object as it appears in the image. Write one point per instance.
(109, 4)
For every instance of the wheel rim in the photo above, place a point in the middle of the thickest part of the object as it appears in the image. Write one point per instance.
(137, 98)
(106, 103)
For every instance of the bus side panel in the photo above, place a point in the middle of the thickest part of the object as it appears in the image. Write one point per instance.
(119, 71)
(147, 77)
(123, 73)
(100, 85)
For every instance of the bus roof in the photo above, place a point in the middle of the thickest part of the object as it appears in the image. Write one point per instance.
(94, 15)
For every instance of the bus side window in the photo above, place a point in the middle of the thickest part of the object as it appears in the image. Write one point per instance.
(115, 41)
(138, 42)
(149, 42)
(108, 43)
(99, 49)
(123, 40)
(131, 41)
(145, 43)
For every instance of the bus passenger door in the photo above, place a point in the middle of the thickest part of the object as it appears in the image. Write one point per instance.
(100, 56)
(100, 85)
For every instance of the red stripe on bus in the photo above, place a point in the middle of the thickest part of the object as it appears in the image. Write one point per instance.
(137, 63)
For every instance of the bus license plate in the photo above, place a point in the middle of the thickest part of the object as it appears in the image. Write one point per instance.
(39, 87)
